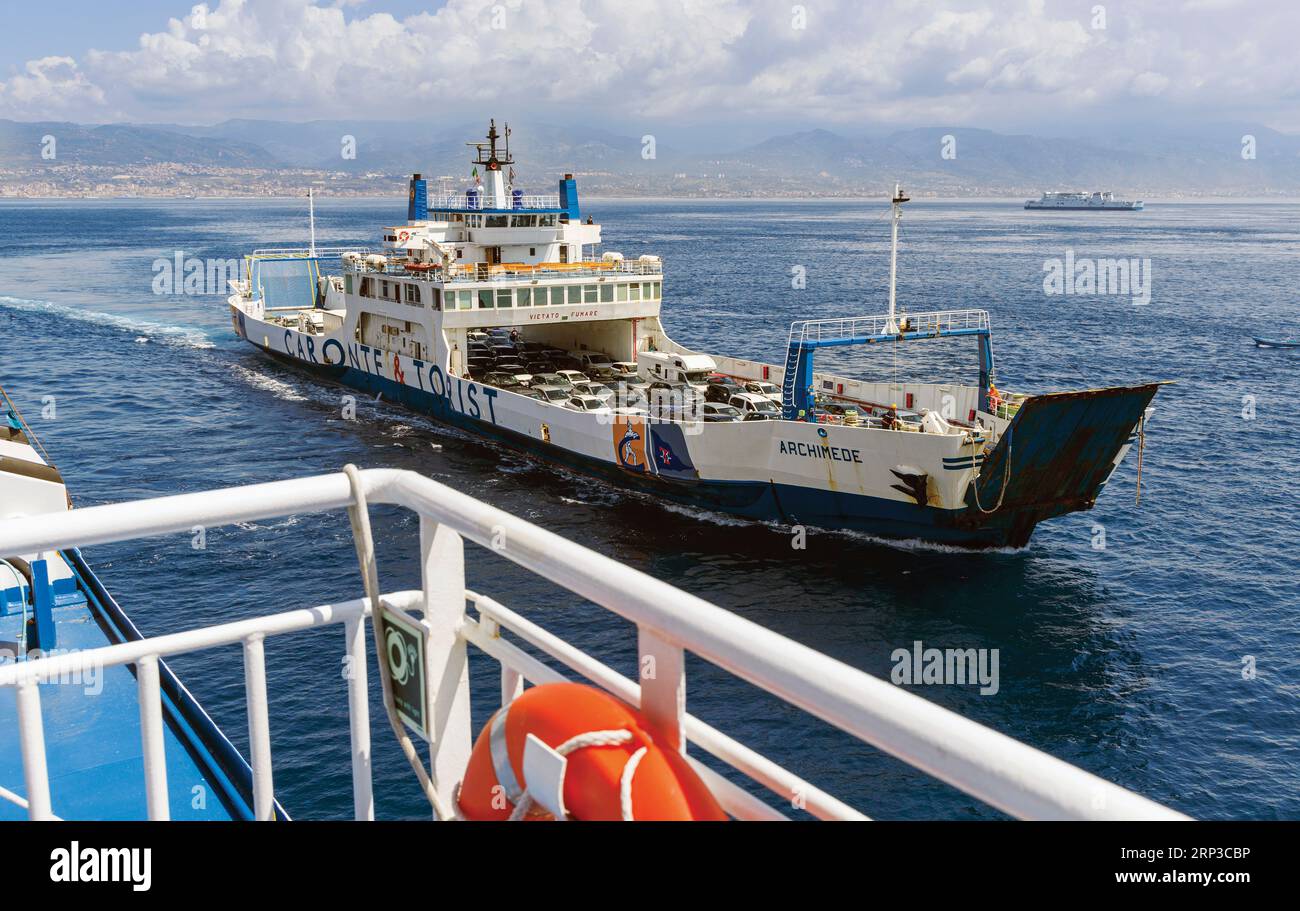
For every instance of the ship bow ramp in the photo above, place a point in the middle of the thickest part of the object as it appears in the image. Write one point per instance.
(1054, 457)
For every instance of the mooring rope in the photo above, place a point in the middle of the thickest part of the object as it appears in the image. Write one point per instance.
(1006, 475)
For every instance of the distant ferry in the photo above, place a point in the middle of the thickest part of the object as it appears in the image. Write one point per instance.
(498, 312)
(1102, 199)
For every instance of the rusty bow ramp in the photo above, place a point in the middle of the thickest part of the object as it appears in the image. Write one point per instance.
(1061, 447)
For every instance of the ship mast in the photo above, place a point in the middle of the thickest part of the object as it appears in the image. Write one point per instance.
(311, 217)
(897, 203)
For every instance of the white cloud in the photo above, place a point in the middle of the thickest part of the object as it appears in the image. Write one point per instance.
(609, 61)
(48, 88)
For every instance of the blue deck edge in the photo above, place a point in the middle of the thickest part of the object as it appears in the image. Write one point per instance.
(207, 745)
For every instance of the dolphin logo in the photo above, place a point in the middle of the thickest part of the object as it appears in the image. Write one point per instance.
(627, 452)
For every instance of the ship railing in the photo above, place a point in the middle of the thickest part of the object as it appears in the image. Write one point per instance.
(998, 770)
(863, 327)
(462, 201)
(470, 273)
(305, 252)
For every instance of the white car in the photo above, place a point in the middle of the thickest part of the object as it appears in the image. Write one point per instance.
(623, 369)
(755, 407)
(767, 390)
(587, 403)
(592, 388)
(555, 395)
(573, 376)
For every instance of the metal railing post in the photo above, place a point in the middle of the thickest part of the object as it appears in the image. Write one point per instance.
(363, 802)
(259, 727)
(662, 672)
(31, 735)
(442, 561)
(151, 737)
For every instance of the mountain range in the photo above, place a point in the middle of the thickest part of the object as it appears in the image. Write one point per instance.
(957, 161)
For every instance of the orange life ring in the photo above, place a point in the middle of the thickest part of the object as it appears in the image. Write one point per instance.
(663, 785)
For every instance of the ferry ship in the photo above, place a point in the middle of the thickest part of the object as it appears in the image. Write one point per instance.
(498, 312)
(1102, 200)
(81, 741)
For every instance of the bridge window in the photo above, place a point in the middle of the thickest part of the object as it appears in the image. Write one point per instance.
(503, 297)
(524, 297)
(485, 299)
(367, 287)
(413, 294)
(496, 221)
(575, 294)
(589, 294)
(622, 293)
(606, 293)
(634, 291)
(658, 288)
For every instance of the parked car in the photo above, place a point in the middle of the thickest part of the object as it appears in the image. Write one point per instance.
(504, 380)
(618, 370)
(554, 379)
(588, 403)
(673, 392)
(720, 393)
(715, 412)
(755, 407)
(588, 360)
(765, 389)
(629, 396)
(556, 395)
(573, 376)
(591, 387)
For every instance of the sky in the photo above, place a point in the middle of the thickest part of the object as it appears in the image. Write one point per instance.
(693, 67)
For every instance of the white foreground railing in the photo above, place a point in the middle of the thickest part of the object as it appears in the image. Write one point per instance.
(996, 769)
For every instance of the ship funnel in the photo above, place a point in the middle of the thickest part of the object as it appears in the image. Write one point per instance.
(569, 199)
(417, 205)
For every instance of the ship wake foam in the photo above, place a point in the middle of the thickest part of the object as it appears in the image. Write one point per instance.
(140, 329)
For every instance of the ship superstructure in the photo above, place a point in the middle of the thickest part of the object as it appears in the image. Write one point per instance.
(497, 311)
(1101, 201)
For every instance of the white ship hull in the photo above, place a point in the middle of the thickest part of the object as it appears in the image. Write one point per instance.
(791, 472)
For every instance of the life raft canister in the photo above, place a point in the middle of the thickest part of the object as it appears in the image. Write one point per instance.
(664, 786)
